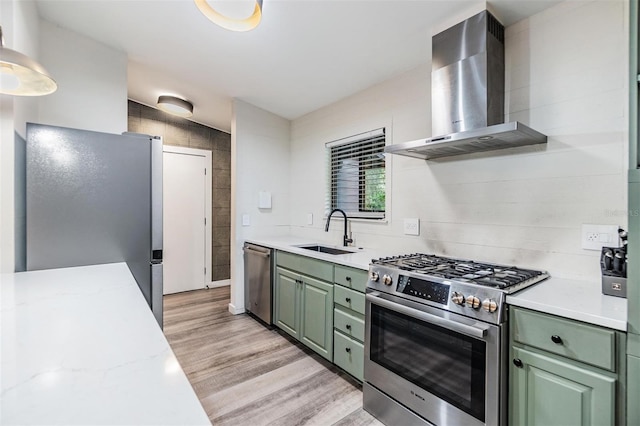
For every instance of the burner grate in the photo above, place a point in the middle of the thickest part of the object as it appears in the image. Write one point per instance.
(483, 274)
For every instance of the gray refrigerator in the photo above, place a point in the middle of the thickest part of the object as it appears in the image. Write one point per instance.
(95, 198)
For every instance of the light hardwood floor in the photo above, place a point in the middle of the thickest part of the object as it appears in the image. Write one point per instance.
(247, 374)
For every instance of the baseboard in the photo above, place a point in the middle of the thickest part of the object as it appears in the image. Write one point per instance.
(234, 310)
(220, 283)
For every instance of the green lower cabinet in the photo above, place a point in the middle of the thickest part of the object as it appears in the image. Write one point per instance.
(304, 309)
(306, 301)
(349, 323)
(547, 390)
(286, 300)
(316, 329)
(633, 404)
(349, 355)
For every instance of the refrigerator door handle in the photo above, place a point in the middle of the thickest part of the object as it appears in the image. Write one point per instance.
(156, 196)
(156, 292)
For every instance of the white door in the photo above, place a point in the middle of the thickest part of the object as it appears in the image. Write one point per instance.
(184, 185)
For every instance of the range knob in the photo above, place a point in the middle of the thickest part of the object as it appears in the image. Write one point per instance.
(374, 276)
(386, 279)
(489, 305)
(458, 298)
(473, 302)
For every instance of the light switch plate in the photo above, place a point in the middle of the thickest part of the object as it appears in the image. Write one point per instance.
(309, 218)
(412, 226)
(594, 237)
(246, 220)
(264, 200)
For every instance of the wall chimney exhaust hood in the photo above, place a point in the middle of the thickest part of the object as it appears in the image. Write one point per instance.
(467, 90)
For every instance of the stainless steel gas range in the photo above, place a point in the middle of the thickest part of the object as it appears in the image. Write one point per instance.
(436, 339)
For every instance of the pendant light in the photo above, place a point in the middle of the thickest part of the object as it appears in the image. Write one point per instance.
(233, 24)
(22, 76)
(175, 106)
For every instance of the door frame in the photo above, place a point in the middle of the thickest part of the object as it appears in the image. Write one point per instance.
(207, 202)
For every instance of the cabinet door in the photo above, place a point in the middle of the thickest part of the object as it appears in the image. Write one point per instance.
(633, 395)
(287, 304)
(348, 355)
(316, 328)
(549, 391)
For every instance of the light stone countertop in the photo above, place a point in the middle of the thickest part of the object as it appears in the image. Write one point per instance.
(360, 258)
(80, 346)
(573, 299)
(578, 300)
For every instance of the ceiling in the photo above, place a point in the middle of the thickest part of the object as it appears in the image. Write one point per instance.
(304, 55)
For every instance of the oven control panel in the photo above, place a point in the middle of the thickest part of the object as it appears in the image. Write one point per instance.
(427, 290)
(470, 300)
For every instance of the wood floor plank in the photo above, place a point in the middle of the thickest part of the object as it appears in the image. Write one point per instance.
(289, 406)
(338, 409)
(247, 374)
(358, 417)
(250, 391)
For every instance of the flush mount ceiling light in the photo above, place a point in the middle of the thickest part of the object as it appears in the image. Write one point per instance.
(175, 106)
(22, 76)
(246, 22)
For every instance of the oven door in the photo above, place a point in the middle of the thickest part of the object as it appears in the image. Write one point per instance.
(444, 367)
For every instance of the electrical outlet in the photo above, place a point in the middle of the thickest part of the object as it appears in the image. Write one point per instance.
(412, 226)
(594, 237)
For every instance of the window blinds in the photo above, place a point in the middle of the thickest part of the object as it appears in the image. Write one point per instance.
(357, 175)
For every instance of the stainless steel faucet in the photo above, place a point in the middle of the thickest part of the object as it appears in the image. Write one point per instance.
(345, 239)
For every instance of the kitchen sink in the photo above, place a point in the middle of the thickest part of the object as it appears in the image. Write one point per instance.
(325, 249)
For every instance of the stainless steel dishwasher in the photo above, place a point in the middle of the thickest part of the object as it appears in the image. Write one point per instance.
(258, 281)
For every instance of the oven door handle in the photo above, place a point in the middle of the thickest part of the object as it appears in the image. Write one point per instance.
(479, 330)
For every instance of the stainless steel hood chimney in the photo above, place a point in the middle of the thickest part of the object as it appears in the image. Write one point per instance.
(467, 90)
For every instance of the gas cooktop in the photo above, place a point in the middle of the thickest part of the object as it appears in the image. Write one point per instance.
(467, 271)
(469, 288)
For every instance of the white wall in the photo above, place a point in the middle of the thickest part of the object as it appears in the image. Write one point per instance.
(20, 27)
(566, 77)
(92, 82)
(92, 95)
(260, 158)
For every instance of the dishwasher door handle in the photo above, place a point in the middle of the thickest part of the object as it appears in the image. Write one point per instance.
(249, 250)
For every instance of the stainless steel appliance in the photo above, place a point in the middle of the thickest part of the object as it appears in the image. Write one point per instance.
(258, 286)
(435, 339)
(94, 198)
(467, 91)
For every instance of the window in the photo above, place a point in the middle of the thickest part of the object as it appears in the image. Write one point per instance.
(357, 175)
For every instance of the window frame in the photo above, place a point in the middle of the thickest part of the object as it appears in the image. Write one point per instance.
(373, 135)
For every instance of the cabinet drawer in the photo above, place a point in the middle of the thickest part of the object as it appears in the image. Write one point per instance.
(575, 340)
(351, 277)
(313, 267)
(353, 300)
(350, 323)
(348, 354)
